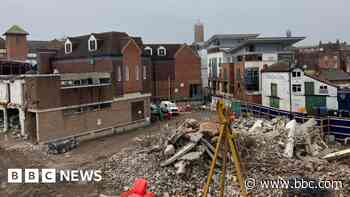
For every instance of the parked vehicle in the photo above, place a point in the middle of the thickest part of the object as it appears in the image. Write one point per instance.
(156, 113)
(62, 146)
(169, 107)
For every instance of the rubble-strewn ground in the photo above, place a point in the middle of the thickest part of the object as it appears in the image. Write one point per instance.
(263, 158)
(18, 154)
(140, 154)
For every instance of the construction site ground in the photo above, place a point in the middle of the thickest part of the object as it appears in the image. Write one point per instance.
(20, 154)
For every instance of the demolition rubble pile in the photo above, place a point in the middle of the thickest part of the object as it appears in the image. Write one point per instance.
(178, 162)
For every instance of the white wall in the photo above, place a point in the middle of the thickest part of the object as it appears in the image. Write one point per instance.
(204, 67)
(332, 101)
(298, 99)
(4, 94)
(281, 79)
(16, 92)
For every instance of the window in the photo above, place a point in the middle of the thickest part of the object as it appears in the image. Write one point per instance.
(161, 51)
(148, 51)
(323, 89)
(137, 73)
(296, 74)
(68, 46)
(144, 72)
(251, 48)
(92, 43)
(252, 79)
(119, 74)
(296, 88)
(104, 80)
(126, 73)
(273, 89)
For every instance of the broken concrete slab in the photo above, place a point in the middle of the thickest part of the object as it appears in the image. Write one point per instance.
(195, 137)
(288, 151)
(185, 149)
(337, 155)
(192, 156)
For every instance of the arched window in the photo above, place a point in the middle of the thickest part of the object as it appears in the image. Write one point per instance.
(126, 73)
(149, 50)
(68, 46)
(137, 72)
(119, 74)
(144, 72)
(161, 51)
(92, 43)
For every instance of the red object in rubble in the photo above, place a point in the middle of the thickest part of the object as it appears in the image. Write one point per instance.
(139, 190)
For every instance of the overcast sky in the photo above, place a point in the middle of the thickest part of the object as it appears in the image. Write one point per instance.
(173, 20)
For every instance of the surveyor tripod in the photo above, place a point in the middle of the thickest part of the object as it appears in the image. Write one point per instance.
(228, 140)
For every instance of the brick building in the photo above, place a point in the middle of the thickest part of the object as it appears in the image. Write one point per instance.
(176, 71)
(16, 43)
(94, 83)
(326, 55)
(2, 48)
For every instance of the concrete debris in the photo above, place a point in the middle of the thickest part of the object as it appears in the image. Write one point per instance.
(256, 127)
(179, 154)
(277, 148)
(192, 156)
(209, 128)
(291, 126)
(169, 150)
(195, 137)
(337, 155)
(181, 167)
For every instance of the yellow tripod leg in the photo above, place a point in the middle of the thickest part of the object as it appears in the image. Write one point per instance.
(223, 170)
(213, 163)
(235, 155)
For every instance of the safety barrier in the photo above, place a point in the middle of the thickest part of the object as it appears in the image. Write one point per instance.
(339, 127)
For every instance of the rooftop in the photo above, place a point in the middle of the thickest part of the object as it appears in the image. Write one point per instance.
(171, 50)
(16, 30)
(108, 43)
(335, 75)
(278, 67)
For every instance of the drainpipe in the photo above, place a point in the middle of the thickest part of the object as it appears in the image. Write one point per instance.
(6, 125)
(290, 91)
(22, 121)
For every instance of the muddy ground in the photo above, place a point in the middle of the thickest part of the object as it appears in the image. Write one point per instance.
(19, 154)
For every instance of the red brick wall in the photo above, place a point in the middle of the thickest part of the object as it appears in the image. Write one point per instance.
(147, 83)
(43, 92)
(329, 60)
(78, 96)
(83, 65)
(187, 71)
(53, 125)
(17, 47)
(132, 58)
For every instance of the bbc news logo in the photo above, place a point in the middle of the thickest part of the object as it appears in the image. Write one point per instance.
(31, 175)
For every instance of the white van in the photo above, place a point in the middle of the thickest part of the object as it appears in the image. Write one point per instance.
(167, 106)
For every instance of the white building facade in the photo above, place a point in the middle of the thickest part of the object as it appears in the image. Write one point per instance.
(305, 93)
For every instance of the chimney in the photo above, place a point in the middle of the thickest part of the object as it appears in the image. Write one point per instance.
(44, 61)
(16, 43)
